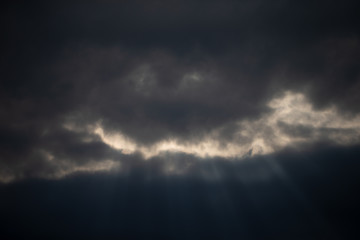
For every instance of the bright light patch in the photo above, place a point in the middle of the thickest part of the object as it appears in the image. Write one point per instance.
(262, 136)
(292, 121)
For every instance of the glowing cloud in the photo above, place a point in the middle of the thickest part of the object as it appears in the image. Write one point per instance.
(262, 136)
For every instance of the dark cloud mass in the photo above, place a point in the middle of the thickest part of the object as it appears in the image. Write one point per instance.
(178, 90)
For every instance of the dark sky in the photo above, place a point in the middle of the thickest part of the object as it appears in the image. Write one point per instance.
(180, 119)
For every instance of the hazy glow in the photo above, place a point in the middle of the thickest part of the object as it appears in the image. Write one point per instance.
(250, 137)
(295, 109)
(59, 168)
(68, 168)
(262, 136)
(292, 121)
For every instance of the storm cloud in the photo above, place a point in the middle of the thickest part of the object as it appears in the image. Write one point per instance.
(180, 119)
(189, 77)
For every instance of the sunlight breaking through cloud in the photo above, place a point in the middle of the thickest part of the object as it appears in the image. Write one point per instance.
(292, 120)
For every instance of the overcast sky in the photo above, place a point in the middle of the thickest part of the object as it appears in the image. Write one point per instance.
(170, 91)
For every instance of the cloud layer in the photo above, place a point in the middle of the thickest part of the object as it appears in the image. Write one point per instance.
(93, 87)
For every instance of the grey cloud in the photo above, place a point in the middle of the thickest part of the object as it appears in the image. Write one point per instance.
(172, 70)
(302, 131)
